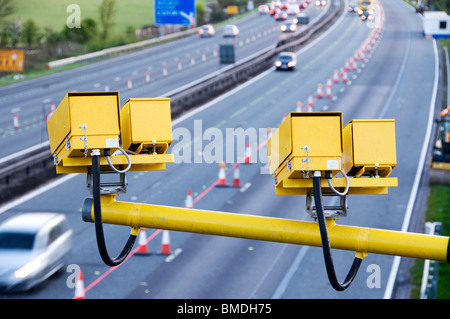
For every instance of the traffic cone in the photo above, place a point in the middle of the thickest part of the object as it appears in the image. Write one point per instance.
(344, 77)
(236, 177)
(319, 91)
(203, 57)
(310, 101)
(165, 244)
(346, 66)
(329, 82)
(192, 61)
(16, 121)
(189, 202)
(164, 71)
(299, 106)
(79, 286)
(336, 76)
(147, 77)
(129, 84)
(248, 154)
(222, 178)
(180, 66)
(142, 244)
(328, 92)
(355, 66)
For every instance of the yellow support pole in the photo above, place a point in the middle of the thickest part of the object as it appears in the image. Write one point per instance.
(359, 239)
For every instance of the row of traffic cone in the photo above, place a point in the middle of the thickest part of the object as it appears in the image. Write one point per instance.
(350, 64)
(164, 71)
(141, 250)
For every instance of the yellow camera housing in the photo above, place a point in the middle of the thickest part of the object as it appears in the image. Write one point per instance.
(306, 142)
(82, 122)
(146, 125)
(369, 147)
(92, 120)
(315, 141)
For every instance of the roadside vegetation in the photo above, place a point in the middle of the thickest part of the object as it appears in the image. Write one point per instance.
(46, 31)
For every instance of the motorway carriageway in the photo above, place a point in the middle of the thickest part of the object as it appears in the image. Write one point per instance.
(234, 268)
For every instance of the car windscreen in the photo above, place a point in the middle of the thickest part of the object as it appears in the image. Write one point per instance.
(285, 58)
(16, 240)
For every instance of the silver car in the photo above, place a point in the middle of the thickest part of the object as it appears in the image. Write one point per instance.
(33, 246)
(230, 31)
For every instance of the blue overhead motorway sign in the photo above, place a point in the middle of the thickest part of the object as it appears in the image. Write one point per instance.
(175, 12)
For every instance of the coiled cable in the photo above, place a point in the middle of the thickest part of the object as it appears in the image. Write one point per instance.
(98, 218)
(326, 243)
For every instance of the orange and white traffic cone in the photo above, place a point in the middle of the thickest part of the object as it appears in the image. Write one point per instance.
(336, 76)
(165, 244)
(346, 65)
(16, 121)
(299, 107)
(328, 92)
(79, 286)
(147, 77)
(164, 71)
(236, 177)
(142, 244)
(344, 77)
(180, 66)
(248, 154)
(129, 84)
(189, 201)
(222, 177)
(319, 91)
(310, 101)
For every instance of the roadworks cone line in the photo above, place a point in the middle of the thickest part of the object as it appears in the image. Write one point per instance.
(79, 286)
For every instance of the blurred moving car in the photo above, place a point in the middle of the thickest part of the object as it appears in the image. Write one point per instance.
(366, 16)
(263, 9)
(206, 31)
(302, 18)
(230, 31)
(280, 15)
(289, 26)
(292, 9)
(33, 246)
(286, 61)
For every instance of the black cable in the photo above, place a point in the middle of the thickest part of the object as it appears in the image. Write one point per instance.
(326, 244)
(99, 224)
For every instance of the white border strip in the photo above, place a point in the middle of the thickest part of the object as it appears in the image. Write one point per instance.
(412, 198)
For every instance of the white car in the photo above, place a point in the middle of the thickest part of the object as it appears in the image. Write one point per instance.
(33, 246)
(206, 31)
(230, 31)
